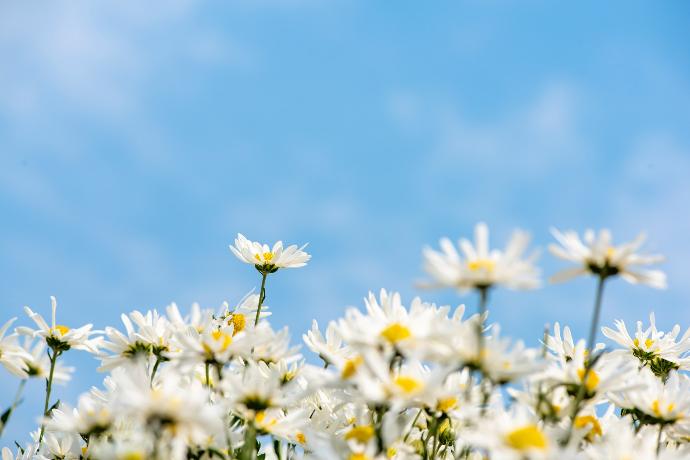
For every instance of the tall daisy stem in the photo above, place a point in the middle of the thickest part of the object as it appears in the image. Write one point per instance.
(262, 297)
(589, 358)
(49, 386)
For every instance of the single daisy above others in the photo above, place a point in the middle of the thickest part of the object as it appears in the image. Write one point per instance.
(598, 256)
(267, 259)
(478, 267)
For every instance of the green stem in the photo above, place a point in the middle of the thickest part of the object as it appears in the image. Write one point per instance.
(416, 417)
(483, 299)
(49, 387)
(208, 381)
(155, 368)
(262, 297)
(14, 405)
(589, 358)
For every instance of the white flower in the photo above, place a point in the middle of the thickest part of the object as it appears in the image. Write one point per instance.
(329, 348)
(598, 256)
(515, 435)
(12, 356)
(269, 259)
(37, 363)
(652, 347)
(58, 336)
(479, 267)
(662, 402)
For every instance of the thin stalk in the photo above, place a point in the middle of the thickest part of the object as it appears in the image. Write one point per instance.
(15, 403)
(416, 417)
(208, 381)
(262, 297)
(49, 386)
(588, 355)
(658, 439)
(155, 368)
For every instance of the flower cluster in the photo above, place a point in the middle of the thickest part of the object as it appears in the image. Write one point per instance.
(396, 380)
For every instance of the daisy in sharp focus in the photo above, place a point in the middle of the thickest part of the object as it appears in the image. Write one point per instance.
(475, 266)
(597, 255)
(661, 351)
(267, 259)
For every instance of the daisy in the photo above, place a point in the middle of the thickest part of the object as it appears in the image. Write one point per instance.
(37, 363)
(329, 348)
(597, 255)
(12, 356)
(266, 259)
(477, 267)
(657, 402)
(661, 351)
(60, 337)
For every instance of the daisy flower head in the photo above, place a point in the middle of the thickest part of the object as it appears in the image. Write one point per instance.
(661, 351)
(267, 259)
(595, 254)
(475, 266)
(59, 337)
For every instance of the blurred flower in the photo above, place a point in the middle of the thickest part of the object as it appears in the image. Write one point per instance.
(479, 267)
(597, 255)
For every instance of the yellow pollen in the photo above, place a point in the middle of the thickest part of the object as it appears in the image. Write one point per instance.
(351, 366)
(261, 421)
(446, 404)
(238, 321)
(390, 453)
(220, 335)
(395, 333)
(592, 378)
(266, 256)
(361, 434)
(301, 438)
(134, 455)
(61, 329)
(647, 343)
(358, 456)
(610, 252)
(526, 438)
(481, 264)
(657, 410)
(408, 384)
(590, 421)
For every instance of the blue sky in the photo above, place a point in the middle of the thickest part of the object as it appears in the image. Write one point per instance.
(137, 140)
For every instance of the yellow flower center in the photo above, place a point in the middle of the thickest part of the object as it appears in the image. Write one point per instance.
(61, 329)
(390, 453)
(592, 379)
(238, 321)
(446, 404)
(487, 265)
(408, 384)
(657, 409)
(361, 434)
(266, 256)
(133, 455)
(526, 438)
(301, 438)
(358, 456)
(262, 422)
(590, 421)
(610, 251)
(351, 366)
(647, 343)
(223, 337)
(395, 333)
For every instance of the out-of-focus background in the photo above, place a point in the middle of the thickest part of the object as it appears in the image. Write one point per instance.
(137, 138)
